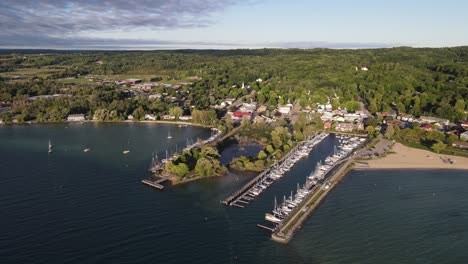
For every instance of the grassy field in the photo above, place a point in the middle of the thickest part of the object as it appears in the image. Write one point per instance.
(30, 72)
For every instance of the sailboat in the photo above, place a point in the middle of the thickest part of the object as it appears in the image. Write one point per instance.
(50, 147)
(169, 134)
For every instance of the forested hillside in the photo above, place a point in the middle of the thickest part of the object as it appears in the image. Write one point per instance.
(414, 81)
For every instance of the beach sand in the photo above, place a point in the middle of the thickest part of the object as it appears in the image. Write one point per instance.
(411, 158)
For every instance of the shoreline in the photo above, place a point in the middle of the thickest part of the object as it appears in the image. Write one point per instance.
(110, 122)
(406, 158)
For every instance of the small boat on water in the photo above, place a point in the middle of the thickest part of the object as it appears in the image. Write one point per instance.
(169, 134)
(50, 147)
(125, 151)
(86, 150)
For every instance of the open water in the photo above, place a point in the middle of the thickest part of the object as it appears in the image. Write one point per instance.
(77, 207)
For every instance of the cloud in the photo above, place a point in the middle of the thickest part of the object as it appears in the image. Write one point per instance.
(61, 24)
(58, 18)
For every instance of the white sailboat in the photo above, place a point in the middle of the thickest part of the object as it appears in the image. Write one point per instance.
(50, 147)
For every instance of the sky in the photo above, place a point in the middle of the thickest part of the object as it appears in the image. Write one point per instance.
(231, 24)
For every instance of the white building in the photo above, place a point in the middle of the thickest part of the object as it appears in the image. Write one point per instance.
(248, 107)
(76, 118)
(155, 96)
(185, 118)
(150, 117)
(285, 110)
(364, 69)
(464, 135)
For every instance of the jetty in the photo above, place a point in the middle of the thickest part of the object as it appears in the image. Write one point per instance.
(156, 184)
(285, 231)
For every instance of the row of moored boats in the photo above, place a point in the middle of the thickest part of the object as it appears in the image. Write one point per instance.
(281, 211)
(278, 170)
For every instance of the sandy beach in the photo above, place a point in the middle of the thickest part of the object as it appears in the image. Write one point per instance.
(411, 158)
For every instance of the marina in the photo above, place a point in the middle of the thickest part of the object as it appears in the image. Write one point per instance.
(289, 216)
(261, 182)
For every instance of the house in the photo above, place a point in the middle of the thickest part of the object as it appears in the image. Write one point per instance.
(239, 114)
(459, 144)
(168, 117)
(133, 81)
(285, 110)
(326, 116)
(338, 118)
(259, 80)
(464, 135)
(229, 101)
(155, 96)
(248, 107)
(76, 118)
(185, 118)
(434, 120)
(352, 117)
(150, 117)
(130, 117)
(348, 127)
(344, 127)
(327, 125)
(406, 117)
(427, 127)
(464, 125)
(364, 69)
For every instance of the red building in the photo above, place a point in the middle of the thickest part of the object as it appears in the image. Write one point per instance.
(241, 114)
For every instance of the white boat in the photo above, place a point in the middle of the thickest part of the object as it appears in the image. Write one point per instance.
(50, 147)
(125, 151)
(169, 134)
(86, 150)
(272, 218)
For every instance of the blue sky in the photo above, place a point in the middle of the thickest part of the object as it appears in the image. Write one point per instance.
(145, 24)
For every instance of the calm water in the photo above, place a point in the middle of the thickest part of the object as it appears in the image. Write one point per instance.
(76, 207)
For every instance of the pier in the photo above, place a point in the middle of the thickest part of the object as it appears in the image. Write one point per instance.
(156, 184)
(240, 196)
(285, 231)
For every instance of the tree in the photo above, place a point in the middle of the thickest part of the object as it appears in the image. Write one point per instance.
(389, 132)
(262, 155)
(370, 131)
(176, 112)
(438, 147)
(139, 114)
(204, 167)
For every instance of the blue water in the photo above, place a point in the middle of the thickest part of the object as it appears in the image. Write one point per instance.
(76, 207)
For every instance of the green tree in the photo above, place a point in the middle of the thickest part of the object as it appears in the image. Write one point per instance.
(438, 147)
(389, 132)
(176, 112)
(139, 113)
(262, 155)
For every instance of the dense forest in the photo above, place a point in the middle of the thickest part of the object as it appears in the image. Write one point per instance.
(419, 81)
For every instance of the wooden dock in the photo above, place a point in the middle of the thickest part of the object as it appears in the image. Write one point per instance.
(156, 184)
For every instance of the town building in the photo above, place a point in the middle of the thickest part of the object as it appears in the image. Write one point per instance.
(285, 110)
(459, 144)
(464, 135)
(434, 120)
(185, 118)
(150, 117)
(76, 118)
(348, 127)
